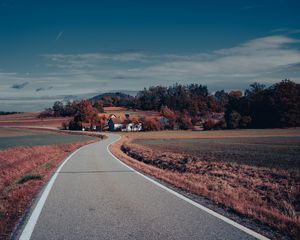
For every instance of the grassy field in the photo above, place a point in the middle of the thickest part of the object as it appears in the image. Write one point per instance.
(27, 160)
(254, 173)
(13, 137)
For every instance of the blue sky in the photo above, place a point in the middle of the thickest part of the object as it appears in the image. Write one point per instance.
(51, 50)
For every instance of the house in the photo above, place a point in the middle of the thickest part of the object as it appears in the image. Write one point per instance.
(86, 126)
(115, 124)
(132, 127)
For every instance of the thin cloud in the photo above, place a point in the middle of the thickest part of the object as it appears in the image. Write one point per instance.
(59, 35)
(43, 89)
(19, 85)
(288, 31)
(243, 63)
(268, 59)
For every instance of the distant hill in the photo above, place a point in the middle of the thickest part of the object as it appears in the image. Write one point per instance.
(114, 99)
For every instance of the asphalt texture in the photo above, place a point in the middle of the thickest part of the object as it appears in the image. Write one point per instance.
(97, 197)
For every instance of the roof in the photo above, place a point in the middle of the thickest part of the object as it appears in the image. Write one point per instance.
(84, 124)
(111, 116)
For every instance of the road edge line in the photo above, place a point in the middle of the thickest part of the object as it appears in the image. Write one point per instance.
(198, 205)
(29, 227)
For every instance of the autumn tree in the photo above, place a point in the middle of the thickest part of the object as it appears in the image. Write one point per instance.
(170, 115)
(99, 106)
(150, 124)
(101, 121)
(86, 112)
(184, 121)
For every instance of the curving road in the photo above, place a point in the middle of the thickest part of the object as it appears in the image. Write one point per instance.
(95, 196)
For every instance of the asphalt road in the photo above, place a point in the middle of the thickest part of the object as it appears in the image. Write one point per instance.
(96, 197)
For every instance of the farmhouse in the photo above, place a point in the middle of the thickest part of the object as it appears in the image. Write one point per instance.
(115, 124)
(132, 127)
(86, 126)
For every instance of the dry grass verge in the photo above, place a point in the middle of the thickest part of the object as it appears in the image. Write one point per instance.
(23, 172)
(270, 196)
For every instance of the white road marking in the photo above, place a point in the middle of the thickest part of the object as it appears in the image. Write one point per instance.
(217, 215)
(28, 229)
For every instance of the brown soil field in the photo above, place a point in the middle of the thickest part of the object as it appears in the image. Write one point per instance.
(260, 192)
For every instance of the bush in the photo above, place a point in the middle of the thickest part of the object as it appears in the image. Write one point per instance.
(75, 125)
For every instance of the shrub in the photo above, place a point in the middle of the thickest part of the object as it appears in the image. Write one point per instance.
(74, 125)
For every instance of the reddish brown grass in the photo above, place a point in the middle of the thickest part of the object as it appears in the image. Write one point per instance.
(15, 163)
(270, 196)
(31, 119)
(49, 122)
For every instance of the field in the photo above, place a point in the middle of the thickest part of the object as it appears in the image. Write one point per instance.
(13, 137)
(254, 173)
(27, 160)
(271, 152)
(30, 119)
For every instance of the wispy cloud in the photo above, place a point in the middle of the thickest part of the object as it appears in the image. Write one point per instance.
(288, 31)
(19, 85)
(268, 59)
(254, 57)
(43, 89)
(59, 35)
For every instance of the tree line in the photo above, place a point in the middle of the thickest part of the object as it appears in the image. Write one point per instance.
(277, 106)
(185, 106)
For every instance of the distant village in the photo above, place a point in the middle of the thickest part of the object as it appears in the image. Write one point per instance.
(114, 123)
